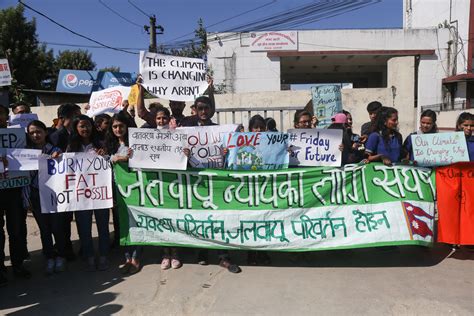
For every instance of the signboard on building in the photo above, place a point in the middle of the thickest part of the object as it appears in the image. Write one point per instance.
(271, 41)
(86, 82)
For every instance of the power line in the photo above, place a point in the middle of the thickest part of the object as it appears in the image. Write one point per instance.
(136, 7)
(90, 46)
(228, 19)
(74, 32)
(121, 16)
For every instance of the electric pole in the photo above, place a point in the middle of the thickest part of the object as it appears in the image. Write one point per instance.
(152, 30)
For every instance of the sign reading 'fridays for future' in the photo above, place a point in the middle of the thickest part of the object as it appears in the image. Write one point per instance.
(173, 78)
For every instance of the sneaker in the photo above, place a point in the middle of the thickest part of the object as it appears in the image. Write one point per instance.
(60, 265)
(103, 263)
(90, 264)
(165, 263)
(50, 267)
(175, 263)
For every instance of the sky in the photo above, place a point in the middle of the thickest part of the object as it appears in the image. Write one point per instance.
(178, 17)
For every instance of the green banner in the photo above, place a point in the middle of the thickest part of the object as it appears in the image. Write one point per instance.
(300, 209)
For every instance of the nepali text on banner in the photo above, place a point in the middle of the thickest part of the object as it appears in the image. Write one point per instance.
(300, 209)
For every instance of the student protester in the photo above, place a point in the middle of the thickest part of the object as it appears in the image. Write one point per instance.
(385, 143)
(427, 126)
(339, 121)
(11, 209)
(177, 108)
(49, 224)
(270, 125)
(21, 108)
(84, 139)
(101, 123)
(66, 114)
(303, 119)
(465, 123)
(117, 148)
(60, 138)
(204, 111)
(367, 127)
(356, 154)
(257, 124)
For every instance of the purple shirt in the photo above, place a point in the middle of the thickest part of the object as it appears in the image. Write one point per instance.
(377, 146)
(470, 147)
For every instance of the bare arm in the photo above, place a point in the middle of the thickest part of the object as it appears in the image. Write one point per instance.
(142, 112)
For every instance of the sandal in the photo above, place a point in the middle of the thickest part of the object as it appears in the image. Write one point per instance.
(233, 268)
(125, 268)
(134, 267)
(175, 263)
(165, 263)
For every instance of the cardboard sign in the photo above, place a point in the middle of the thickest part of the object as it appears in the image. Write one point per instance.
(108, 100)
(439, 149)
(172, 77)
(326, 103)
(205, 144)
(157, 149)
(315, 147)
(75, 182)
(5, 75)
(20, 159)
(22, 120)
(256, 151)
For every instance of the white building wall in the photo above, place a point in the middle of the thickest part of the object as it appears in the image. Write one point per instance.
(431, 13)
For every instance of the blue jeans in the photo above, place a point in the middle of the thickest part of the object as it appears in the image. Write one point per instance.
(84, 226)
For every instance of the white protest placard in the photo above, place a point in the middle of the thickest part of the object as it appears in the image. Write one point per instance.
(20, 159)
(315, 147)
(75, 182)
(12, 138)
(5, 75)
(172, 77)
(157, 149)
(205, 144)
(22, 120)
(439, 149)
(108, 100)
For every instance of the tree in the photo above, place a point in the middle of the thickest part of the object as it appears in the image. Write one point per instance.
(197, 48)
(111, 69)
(31, 64)
(75, 60)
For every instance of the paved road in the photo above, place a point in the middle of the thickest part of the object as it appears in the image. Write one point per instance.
(413, 281)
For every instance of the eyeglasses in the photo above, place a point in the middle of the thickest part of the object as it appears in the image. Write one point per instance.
(203, 107)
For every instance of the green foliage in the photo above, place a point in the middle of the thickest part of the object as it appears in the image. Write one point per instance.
(75, 60)
(194, 50)
(30, 63)
(111, 69)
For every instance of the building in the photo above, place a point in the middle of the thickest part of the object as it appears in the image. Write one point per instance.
(409, 68)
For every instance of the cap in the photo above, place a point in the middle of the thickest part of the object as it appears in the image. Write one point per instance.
(340, 118)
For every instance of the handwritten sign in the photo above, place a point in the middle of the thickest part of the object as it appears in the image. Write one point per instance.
(205, 144)
(326, 103)
(5, 75)
(315, 147)
(22, 120)
(157, 149)
(269, 41)
(439, 149)
(107, 100)
(12, 138)
(74, 182)
(172, 77)
(20, 159)
(256, 151)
